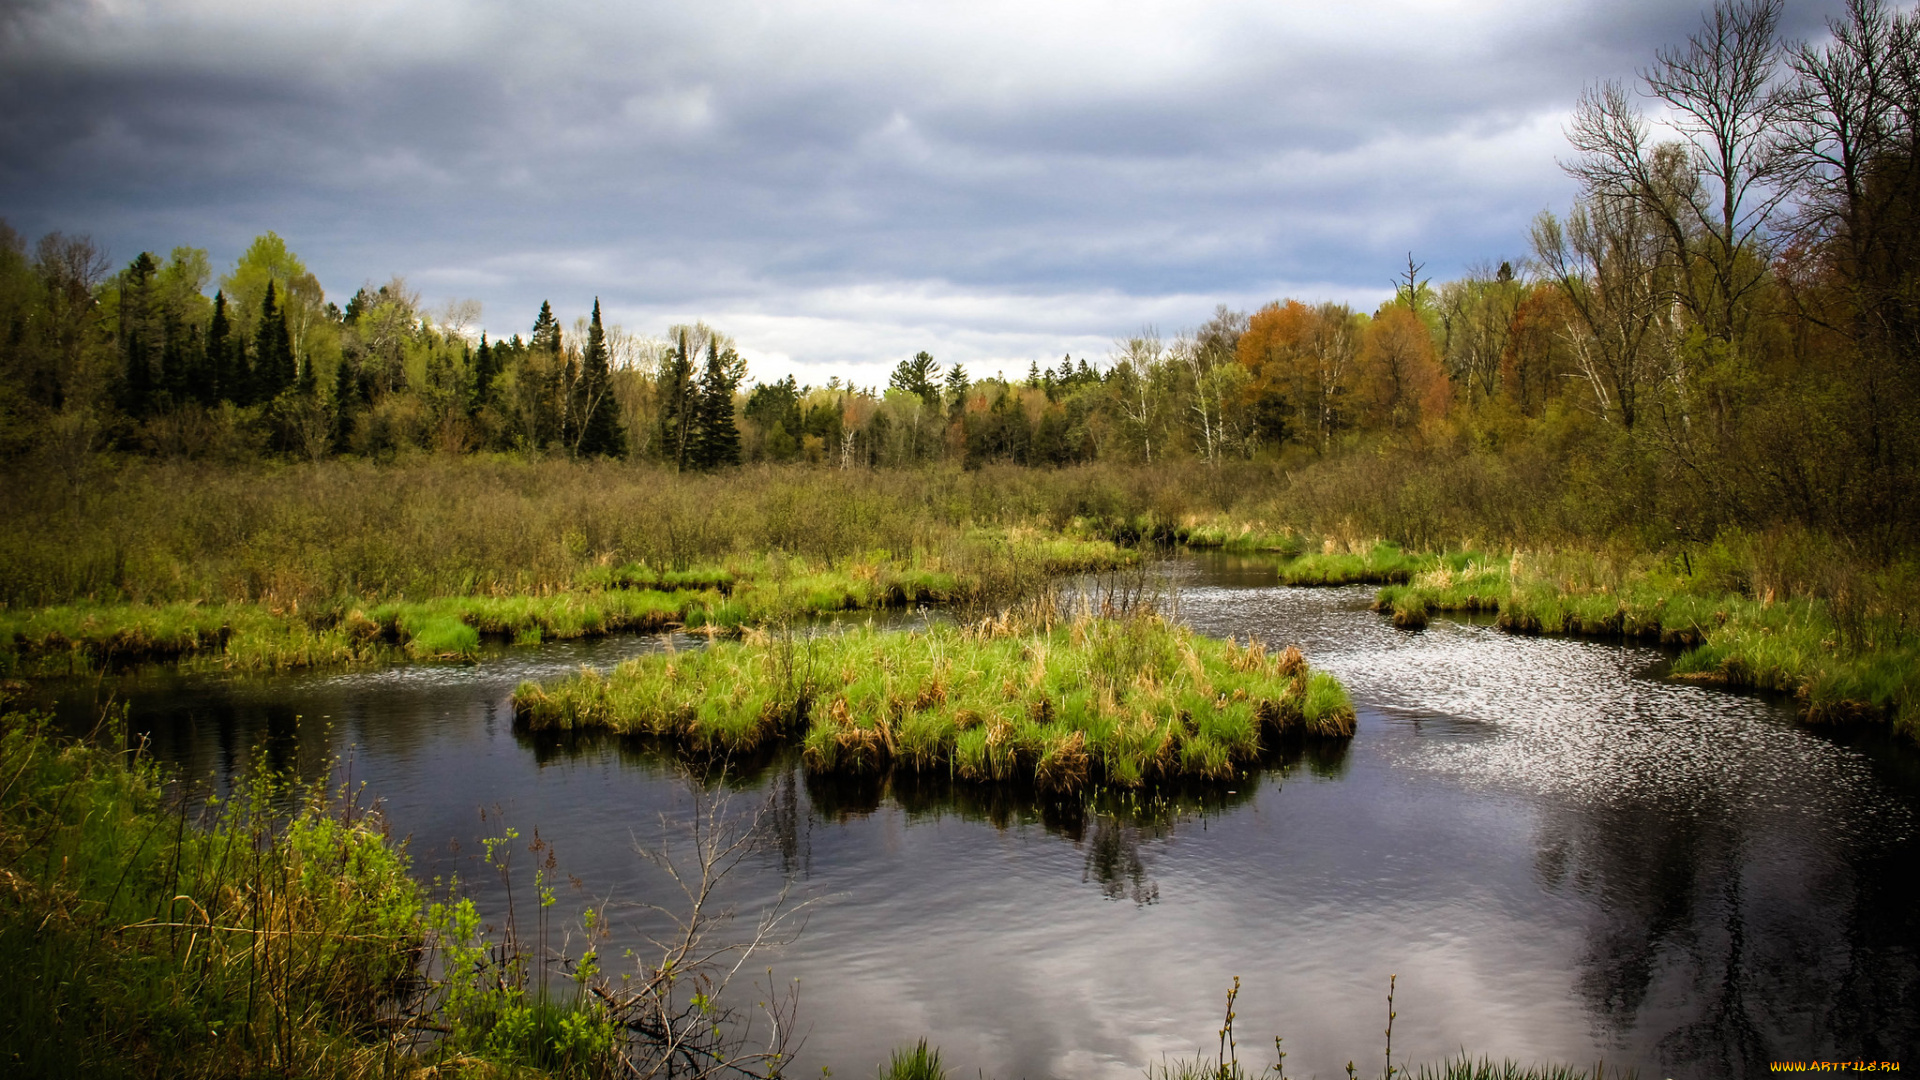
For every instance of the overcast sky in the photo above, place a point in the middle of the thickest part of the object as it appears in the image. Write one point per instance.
(836, 184)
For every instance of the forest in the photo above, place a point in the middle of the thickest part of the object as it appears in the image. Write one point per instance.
(1720, 332)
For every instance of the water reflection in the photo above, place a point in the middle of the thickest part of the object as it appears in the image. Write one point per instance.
(1561, 855)
(1113, 860)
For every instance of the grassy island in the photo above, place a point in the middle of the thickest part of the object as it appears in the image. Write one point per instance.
(1119, 701)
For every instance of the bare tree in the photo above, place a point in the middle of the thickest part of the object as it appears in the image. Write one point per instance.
(1135, 361)
(1852, 144)
(1716, 202)
(1608, 261)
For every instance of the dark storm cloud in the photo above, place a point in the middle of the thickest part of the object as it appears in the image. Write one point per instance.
(836, 182)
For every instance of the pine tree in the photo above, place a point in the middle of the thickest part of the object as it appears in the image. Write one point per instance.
(137, 334)
(916, 376)
(273, 367)
(717, 442)
(220, 382)
(600, 430)
(483, 372)
(345, 400)
(957, 385)
(676, 387)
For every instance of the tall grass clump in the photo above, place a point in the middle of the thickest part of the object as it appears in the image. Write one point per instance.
(1060, 702)
(278, 935)
(919, 1063)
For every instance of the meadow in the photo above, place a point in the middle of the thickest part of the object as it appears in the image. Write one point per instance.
(273, 566)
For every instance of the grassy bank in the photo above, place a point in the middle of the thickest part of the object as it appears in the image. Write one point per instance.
(140, 940)
(1852, 653)
(981, 566)
(278, 933)
(1116, 701)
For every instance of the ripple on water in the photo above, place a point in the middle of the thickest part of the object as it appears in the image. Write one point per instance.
(1582, 721)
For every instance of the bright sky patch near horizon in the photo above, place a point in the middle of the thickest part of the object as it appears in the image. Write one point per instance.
(836, 184)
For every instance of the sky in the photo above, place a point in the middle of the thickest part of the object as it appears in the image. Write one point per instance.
(837, 185)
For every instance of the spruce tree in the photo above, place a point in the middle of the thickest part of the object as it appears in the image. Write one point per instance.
(718, 440)
(137, 334)
(546, 330)
(957, 385)
(345, 402)
(601, 433)
(676, 386)
(220, 383)
(483, 371)
(273, 368)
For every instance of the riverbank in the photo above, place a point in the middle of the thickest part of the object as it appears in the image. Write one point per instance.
(1849, 651)
(981, 568)
(1064, 703)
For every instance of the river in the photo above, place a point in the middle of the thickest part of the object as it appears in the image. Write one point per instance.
(1559, 853)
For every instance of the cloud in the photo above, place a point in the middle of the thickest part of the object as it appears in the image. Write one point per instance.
(1053, 175)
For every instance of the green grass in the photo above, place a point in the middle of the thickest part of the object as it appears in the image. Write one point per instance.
(919, 1063)
(1467, 1067)
(985, 566)
(1246, 537)
(1115, 701)
(1841, 660)
(140, 940)
(1382, 562)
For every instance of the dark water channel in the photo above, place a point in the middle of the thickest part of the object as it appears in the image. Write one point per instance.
(1561, 855)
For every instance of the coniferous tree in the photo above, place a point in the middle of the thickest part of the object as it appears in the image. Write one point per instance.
(220, 381)
(718, 439)
(483, 373)
(600, 430)
(546, 330)
(916, 376)
(957, 385)
(273, 366)
(345, 405)
(675, 387)
(137, 334)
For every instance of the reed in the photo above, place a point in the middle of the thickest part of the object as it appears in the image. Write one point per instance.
(1066, 703)
(918, 1063)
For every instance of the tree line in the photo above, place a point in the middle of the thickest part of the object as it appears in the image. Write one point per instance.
(1725, 323)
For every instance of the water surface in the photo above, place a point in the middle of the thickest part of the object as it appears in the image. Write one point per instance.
(1561, 855)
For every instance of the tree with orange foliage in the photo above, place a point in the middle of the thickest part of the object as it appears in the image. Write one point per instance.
(1401, 381)
(1300, 366)
(1534, 361)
